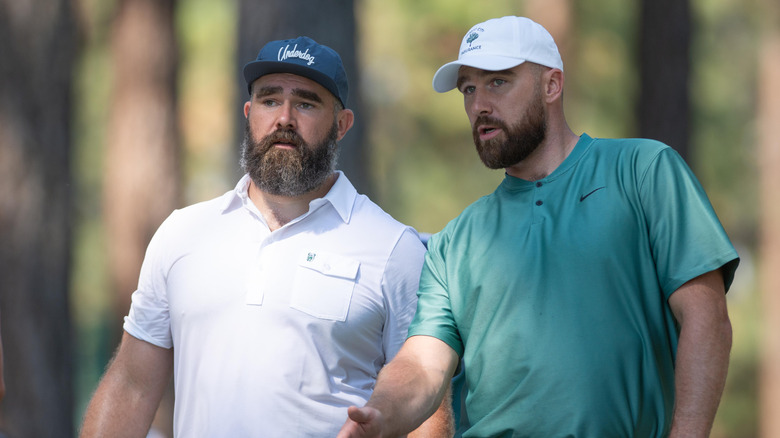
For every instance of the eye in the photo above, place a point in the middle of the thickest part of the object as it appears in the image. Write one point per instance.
(497, 82)
(305, 105)
(268, 102)
(468, 89)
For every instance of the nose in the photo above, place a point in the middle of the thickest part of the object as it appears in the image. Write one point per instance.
(286, 117)
(479, 104)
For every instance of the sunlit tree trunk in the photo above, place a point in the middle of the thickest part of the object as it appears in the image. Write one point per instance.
(769, 163)
(141, 183)
(556, 17)
(664, 66)
(330, 23)
(37, 54)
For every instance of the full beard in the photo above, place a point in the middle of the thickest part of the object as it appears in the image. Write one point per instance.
(288, 172)
(521, 140)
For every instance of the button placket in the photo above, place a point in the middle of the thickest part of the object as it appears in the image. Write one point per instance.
(256, 275)
(538, 185)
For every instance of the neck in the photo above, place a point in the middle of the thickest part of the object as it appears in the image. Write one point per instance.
(279, 210)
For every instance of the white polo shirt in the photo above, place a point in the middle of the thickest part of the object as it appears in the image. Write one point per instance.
(276, 333)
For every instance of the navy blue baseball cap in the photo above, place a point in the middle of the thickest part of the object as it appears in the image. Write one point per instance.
(301, 56)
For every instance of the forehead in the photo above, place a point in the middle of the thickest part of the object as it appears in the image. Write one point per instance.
(287, 82)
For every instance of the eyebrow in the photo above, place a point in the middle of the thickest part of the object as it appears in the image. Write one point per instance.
(267, 91)
(299, 92)
(307, 94)
(483, 73)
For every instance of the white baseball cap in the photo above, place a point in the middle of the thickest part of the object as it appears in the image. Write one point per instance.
(500, 44)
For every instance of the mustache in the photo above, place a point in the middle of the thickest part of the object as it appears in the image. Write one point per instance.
(283, 136)
(489, 120)
(486, 120)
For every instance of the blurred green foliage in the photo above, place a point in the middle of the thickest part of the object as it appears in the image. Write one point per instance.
(422, 156)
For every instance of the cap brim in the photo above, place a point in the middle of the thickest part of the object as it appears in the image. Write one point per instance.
(446, 78)
(255, 69)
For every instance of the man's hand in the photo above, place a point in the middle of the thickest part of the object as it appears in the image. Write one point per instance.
(408, 390)
(365, 422)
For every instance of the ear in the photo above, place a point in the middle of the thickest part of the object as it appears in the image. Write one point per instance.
(247, 105)
(553, 80)
(346, 118)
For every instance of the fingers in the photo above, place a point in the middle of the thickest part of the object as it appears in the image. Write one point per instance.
(362, 423)
(361, 415)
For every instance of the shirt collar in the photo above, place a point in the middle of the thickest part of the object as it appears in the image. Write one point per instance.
(341, 196)
(583, 144)
(236, 197)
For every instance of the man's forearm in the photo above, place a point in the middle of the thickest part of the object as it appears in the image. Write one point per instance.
(127, 397)
(117, 413)
(700, 375)
(406, 395)
(408, 390)
(439, 425)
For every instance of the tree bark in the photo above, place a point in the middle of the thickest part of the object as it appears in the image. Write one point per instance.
(664, 66)
(329, 23)
(38, 49)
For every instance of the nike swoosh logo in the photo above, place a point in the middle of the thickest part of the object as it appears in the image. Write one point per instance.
(582, 198)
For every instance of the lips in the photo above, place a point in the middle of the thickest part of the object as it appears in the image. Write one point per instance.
(487, 132)
(486, 128)
(285, 139)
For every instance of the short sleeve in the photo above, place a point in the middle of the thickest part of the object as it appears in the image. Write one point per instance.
(399, 288)
(149, 316)
(434, 315)
(686, 236)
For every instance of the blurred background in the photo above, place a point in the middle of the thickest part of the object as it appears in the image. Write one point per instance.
(115, 112)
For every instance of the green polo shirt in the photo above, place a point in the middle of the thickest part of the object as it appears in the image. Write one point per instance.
(554, 292)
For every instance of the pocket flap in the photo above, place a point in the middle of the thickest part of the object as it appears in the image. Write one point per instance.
(329, 264)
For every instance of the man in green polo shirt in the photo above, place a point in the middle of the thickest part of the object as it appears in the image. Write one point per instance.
(585, 297)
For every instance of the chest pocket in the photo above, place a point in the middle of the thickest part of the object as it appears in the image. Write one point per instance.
(323, 285)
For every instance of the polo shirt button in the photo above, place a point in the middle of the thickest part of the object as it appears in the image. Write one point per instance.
(538, 184)
(539, 202)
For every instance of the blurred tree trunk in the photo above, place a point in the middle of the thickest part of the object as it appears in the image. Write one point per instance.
(664, 65)
(141, 182)
(556, 17)
(330, 23)
(769, 164)
(37, 52)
